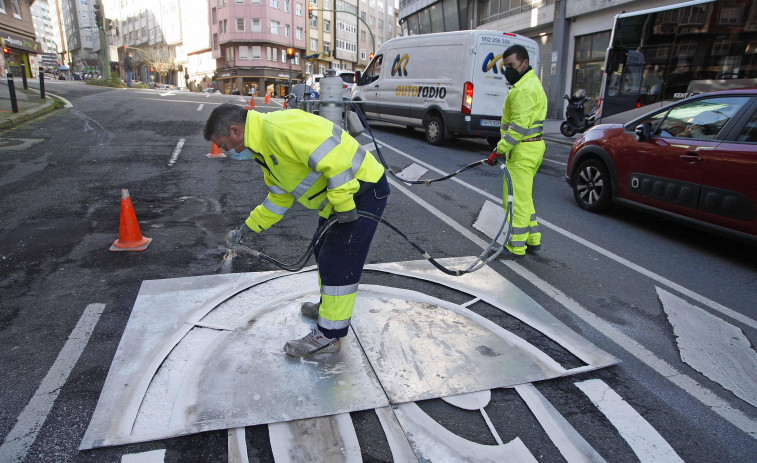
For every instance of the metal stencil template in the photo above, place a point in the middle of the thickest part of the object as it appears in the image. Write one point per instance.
(206, 353)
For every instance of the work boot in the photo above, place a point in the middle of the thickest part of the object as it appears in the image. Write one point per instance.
(312, 344)
(533, 247)
(310, 309)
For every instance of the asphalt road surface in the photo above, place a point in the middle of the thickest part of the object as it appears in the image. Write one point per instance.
(679, 393)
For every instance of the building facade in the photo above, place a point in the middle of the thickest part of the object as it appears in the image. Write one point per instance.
(249, 41)
(573, 35)
(82, 35)
(17, 32)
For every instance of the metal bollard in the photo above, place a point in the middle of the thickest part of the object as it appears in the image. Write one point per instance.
(41, 83)
(23, 76)
(12, 91)
(331, 91)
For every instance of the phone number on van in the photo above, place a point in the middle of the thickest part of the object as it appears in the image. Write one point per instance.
(422, 91)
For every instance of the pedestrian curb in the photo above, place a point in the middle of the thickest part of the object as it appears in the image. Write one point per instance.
(19, 118)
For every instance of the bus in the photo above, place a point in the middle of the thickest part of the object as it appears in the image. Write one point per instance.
(663, 54)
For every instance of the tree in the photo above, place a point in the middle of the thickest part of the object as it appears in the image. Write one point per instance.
(158, 57)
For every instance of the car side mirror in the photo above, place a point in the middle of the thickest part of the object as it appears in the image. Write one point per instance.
(643, 131)
(357, 76)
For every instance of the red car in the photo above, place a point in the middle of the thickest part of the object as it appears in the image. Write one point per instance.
(694, 160)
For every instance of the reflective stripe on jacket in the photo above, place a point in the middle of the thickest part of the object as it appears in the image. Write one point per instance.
(523, 113)
(308, 159)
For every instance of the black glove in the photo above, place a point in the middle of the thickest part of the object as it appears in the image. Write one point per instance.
(241, 236)
(347, 216)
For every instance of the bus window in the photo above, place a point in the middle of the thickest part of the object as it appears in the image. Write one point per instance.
(674, 52)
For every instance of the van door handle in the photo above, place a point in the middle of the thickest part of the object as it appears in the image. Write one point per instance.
(375, 86)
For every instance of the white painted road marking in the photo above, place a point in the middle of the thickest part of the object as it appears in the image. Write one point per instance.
(572, 446)
(199, 108)
(20, 439)
(713, 347)
(490, 219)
(176, 152)
(646, 443)
(689, 385)
(153, 456)
(612, 256)
(412, 172)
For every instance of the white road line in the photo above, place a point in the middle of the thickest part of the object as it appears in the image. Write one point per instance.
(153, 456)
(572, 446)
(622, 261)
(20, 439)
(686, 383)
(199, 108)
(643, 439)
(176, 152)
(556, 162)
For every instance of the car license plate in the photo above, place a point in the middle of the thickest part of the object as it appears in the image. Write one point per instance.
(490, 123)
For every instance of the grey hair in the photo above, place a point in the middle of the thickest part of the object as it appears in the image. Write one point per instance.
(222, 118)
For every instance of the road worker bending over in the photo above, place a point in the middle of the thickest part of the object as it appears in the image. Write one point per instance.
(306, 158)
(522, 126)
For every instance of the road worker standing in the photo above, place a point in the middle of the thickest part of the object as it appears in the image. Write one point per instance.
(522, 145)
(307, 159)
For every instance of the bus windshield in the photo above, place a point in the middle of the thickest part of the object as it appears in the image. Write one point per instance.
(677, 51)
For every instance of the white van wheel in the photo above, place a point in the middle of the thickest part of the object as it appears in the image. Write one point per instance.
(434, 130)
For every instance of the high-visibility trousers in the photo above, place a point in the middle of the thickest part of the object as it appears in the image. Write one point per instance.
(523, 162)
(341, 256)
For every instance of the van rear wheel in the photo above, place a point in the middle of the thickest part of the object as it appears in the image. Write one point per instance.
(434, 130)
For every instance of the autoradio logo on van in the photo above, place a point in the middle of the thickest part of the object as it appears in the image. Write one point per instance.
(490, 62)
(400, 64)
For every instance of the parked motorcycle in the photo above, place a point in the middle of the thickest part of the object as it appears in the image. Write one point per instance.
(576, 119)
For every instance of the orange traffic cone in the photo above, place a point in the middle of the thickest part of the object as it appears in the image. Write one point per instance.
(215, 152)
(252, 103)
(129, 236)
(267, 97)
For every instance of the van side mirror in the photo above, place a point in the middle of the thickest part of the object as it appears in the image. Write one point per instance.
(643, 131)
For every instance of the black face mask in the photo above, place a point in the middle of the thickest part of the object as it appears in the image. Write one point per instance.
(512, 75)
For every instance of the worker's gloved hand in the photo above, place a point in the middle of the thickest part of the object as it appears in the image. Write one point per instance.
(243, 235)
(346, 216)
(493, 158)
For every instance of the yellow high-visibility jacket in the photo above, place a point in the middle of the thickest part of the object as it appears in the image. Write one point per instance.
(523, 113)
(308, 159)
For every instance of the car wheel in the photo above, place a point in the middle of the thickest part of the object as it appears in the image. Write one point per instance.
(591, 186)
(434, 130)
(566, 129)
(493, 141)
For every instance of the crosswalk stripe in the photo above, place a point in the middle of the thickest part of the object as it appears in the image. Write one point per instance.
(643, 439)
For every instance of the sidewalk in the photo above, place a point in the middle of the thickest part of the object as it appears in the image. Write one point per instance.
(30, 105)
(552, 133)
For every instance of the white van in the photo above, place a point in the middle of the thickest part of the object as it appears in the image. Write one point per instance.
(450, 83)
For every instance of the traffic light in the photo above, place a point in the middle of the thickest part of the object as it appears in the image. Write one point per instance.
(310, 11)
(98, 14)
(290, 53)
(152, 69)
(6, 52)
(370, 57)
